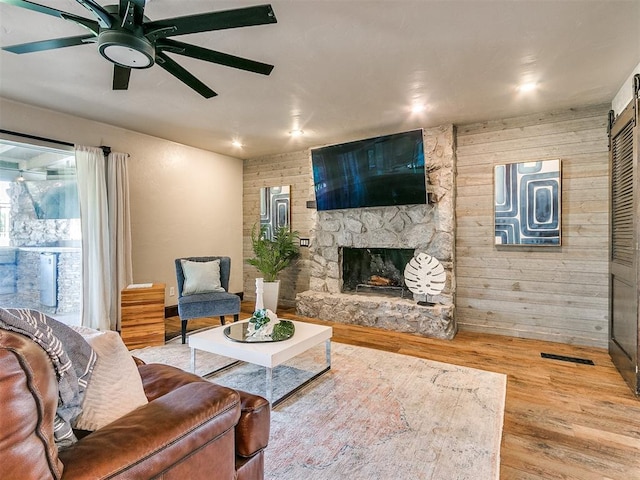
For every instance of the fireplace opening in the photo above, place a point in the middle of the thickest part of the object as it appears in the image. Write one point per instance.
(378, 271)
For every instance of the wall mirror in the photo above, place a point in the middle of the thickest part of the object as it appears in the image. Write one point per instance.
(274, 208)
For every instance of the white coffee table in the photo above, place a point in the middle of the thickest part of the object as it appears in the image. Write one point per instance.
(268, 355)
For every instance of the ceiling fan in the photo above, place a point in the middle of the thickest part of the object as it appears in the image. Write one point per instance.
(130, 40)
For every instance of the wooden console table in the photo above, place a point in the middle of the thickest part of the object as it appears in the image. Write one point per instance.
(142, 323)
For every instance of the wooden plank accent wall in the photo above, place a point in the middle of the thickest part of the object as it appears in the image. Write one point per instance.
(548, 293)
(293, 169)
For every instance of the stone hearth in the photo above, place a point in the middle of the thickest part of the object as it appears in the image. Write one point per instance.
(425, 228)
(390, 313)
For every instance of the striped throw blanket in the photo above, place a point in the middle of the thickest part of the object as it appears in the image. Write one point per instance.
(72, 357)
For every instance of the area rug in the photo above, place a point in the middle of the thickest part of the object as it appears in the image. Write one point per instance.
(374, 416)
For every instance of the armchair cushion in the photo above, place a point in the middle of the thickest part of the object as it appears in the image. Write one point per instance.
(201, 277)
(115, 388)
(208, 305)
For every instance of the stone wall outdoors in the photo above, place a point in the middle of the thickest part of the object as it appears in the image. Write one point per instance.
(30, 236)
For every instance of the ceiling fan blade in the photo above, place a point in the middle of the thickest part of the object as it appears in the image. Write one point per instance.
(206, 22)
(212, 56)
(121, 77)
(90, 25)
(49, 44)
(46, 10)
(132, 11)
(105, 19)
(181, 74)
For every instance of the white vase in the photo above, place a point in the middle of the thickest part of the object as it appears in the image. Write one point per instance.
(259, 294)
(270, 295)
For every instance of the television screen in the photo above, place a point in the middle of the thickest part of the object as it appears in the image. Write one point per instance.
(375, 172)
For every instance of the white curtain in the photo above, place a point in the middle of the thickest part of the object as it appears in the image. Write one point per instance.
(96, 277)
(106, 243)
(119, 230)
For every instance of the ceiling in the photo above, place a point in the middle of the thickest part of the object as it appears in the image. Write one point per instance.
(33, 162)
(344, 70)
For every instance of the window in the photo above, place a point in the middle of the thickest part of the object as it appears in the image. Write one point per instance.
(40, 234)
(5, 209)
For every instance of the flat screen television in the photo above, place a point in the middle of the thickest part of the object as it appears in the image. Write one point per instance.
(376, 172)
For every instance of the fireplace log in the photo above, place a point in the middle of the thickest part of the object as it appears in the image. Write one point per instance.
(379, 281)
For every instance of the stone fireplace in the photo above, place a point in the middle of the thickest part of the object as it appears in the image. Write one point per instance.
(383, 239)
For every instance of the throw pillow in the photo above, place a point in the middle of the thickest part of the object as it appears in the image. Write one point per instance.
(201, 277)
(115, 388)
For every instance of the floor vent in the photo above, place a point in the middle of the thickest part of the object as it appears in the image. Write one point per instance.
(584, 361)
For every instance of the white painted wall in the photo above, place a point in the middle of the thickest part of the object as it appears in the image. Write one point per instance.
(184, 201)
(625, 94)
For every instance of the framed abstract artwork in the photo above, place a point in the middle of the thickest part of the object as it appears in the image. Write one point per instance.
(274, 208)
(527, 203)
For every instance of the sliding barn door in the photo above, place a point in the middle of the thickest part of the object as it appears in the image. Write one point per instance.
(624, 322)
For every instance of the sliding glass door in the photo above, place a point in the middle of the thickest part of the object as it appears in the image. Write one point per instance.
(40, 235)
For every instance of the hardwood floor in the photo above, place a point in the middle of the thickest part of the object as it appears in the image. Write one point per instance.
(563, 420)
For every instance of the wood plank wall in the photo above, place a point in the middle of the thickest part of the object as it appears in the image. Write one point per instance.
(548, 293)
(293, 169)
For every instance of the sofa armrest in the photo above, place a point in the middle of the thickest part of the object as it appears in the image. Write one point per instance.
(156, 436)
(252, 430)
(159, 379)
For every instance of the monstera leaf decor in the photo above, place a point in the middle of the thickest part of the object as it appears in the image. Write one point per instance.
(425, 275)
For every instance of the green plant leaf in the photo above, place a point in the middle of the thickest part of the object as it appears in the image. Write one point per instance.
(273, 255)
(283, 330)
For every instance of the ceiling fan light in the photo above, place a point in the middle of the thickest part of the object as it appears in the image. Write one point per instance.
(125, 49)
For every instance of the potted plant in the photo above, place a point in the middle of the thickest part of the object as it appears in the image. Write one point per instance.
(272, 255)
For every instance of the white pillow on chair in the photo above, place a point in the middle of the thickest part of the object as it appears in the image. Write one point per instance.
(201, 277)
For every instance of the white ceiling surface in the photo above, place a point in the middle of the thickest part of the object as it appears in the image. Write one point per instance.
(344, 70)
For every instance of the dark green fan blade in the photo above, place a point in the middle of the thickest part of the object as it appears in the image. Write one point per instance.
(181, 74)
(121, 77)
(48, 44)
(46, 10)
(105, 19)
(212, 56)
(206, 22)
(90, 25)
(132, 11)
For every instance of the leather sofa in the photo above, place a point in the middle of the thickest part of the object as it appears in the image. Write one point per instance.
(191, 428)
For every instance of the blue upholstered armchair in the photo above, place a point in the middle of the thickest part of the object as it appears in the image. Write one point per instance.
(202, 293)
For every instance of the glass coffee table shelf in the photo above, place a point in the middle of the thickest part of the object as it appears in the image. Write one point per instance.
(239, 332)
(269, 355)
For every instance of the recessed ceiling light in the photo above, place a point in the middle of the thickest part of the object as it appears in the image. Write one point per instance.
(237, 143)
(296, 133)
(527, 87)
(418, 108)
